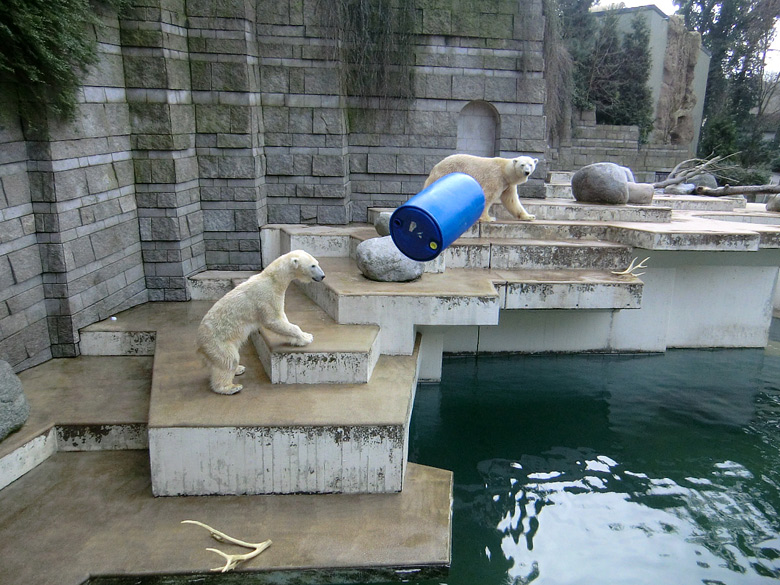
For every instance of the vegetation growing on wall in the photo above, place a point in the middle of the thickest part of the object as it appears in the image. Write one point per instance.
(558, 73)
(373, 43)
(45, 47)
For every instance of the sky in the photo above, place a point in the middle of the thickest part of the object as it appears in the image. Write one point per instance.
(668, 7)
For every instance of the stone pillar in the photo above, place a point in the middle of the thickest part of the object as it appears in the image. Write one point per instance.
(229, 140)
(157, 77)
(82, 193)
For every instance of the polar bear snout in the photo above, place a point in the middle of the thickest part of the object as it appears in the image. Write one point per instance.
(317, 274)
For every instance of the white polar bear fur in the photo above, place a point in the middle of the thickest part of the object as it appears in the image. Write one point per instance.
(499, 178)
(257, 301)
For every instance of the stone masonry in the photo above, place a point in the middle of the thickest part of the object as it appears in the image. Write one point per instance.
(206, 119)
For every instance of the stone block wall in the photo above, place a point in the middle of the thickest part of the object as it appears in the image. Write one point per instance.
(591, 143)
(466, 52)
(206, 119)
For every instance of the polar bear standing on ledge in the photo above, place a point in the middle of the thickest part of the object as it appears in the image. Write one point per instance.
(499, 178)
(258, 301)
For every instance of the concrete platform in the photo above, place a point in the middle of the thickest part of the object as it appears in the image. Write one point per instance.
(79, 404)
(83, 515)
(339, 354)
(269, 438)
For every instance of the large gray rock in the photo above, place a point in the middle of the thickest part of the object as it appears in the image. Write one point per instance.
(14, 408)
(379, 259)
(773, 203)
(382, 223)
(604, 183)
(704, 180)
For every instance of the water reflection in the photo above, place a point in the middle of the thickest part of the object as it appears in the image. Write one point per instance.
(609, 469)
(592, 516)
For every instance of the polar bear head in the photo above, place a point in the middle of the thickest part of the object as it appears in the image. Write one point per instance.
(305, 266)
(523, 166)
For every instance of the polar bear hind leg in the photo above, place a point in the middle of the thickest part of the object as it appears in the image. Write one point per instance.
(512, 203)
(223, 362)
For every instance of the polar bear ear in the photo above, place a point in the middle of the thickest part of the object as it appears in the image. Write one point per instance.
(536, 160)
(295, 262)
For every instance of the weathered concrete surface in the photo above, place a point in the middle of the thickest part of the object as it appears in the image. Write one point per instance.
(93, 514)
(339, 354)
(450, 298)
(285, 438)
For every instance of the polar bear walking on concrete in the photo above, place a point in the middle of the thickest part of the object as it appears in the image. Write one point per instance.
(499, 178)
(258, 301)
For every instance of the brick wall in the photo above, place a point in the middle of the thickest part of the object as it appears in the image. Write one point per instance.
(591, 143)
(205, 119)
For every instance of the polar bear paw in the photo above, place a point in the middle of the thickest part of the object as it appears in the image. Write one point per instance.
(240, 370)
(230, 389)
(527, 217)
(303, 339)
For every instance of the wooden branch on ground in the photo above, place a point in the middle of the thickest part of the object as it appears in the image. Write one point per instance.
(679, 175)
(737, 190)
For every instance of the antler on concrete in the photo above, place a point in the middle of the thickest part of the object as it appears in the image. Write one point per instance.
(231, 561)
(631, 268)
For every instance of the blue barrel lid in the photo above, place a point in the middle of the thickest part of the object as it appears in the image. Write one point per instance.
(416, 233)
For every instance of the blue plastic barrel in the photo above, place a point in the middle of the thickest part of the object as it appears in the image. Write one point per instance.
(437, 216)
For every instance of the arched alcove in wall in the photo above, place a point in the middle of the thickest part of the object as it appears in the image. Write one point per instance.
(478, 125)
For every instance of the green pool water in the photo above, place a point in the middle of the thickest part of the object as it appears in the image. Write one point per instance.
(624, 469)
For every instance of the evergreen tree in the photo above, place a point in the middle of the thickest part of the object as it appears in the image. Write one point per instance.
(635, 103)
(736, 32)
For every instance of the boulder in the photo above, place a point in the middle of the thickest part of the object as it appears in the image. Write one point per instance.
(773, 203)
(382, 223)
(380, 259)
(680, 189)
(14, 408)
(640, 193)
(603, 183)
(704, 180)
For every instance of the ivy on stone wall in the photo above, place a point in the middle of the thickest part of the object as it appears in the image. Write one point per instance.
(373, 43)
(45, 48)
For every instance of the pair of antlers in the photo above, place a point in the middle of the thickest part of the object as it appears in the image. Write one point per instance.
(231, 561)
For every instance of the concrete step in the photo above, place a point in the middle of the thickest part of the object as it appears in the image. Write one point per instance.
(518, 253)
(269, 438)
(564, 210)
(408, 533)
(567, 289)
(699, 202)
(558, 191)
(451, 298)
(339, 354)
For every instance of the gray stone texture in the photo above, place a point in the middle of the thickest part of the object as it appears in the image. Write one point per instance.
(773, 203)
(203, 120)
(603, 183)
(379, 259)
(14, 408)
(704, 180)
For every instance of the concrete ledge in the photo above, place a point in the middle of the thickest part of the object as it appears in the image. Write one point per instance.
(567, 289)
(84, 404)
(339, 354)
(566, 210)
(456, 297)
(92, 515)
